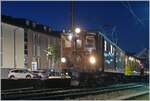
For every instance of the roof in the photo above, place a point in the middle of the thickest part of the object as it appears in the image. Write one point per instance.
(106, 38)
(29, 24)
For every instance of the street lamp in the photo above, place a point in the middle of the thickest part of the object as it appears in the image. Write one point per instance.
(77, 30)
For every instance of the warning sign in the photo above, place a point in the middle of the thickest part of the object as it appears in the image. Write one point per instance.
(34, 66)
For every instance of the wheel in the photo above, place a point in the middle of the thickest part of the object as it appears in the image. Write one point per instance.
(28, 77)
(12, 77)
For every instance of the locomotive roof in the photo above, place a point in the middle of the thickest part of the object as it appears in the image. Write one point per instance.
(106, 38)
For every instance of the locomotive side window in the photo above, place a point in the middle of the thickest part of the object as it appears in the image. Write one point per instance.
(109, 56)
(119, 60)
(90, 42)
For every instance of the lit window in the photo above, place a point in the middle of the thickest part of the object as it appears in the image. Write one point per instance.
(105, 45)
(67, 43)
(126, 60)
(90, 42)
(111, 49)
(79, 43)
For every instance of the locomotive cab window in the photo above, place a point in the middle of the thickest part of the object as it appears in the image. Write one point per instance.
(67, 42)
(90, 42)
(79, 43)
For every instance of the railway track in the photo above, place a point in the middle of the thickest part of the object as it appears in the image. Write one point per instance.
(133, 96)
(61, 93)
(18, 89)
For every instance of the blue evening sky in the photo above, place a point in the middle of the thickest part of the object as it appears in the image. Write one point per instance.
(129, 19)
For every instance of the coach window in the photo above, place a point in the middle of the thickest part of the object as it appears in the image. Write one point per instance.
(105, 45)
(111, 48)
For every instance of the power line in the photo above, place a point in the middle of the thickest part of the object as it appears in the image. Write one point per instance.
(128, 6)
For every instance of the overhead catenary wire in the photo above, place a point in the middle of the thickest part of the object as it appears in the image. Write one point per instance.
(128, 6)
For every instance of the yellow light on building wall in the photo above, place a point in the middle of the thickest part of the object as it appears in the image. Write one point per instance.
(92, 60)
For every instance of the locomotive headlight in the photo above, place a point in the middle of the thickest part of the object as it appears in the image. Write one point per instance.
(63, 60)
(66, 73)
(92, 60)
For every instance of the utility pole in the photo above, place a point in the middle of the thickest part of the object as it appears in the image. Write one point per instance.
(72, 15)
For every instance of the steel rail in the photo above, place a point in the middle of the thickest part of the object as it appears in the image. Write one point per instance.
(61, 92)
(32, 90)
(17, 89)
(79, 94)
(131, 96)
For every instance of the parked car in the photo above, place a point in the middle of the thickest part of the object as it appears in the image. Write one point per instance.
(20, 74)
(44, 73)
(41, 74)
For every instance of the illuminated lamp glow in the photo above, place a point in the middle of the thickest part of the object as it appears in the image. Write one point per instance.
(92, 60)
(77, 30)
(63, 60)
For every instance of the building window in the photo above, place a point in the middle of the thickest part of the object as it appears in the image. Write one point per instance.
(33, 25)
(25, 46)
(26, 52)
(49, 29)
(27, 22)
(44, 28)
(25, 37)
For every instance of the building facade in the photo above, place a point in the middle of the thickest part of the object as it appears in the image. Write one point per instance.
(24, 44)
(12, 47)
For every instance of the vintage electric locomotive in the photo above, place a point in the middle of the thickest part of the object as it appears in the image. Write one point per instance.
(92, 53)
